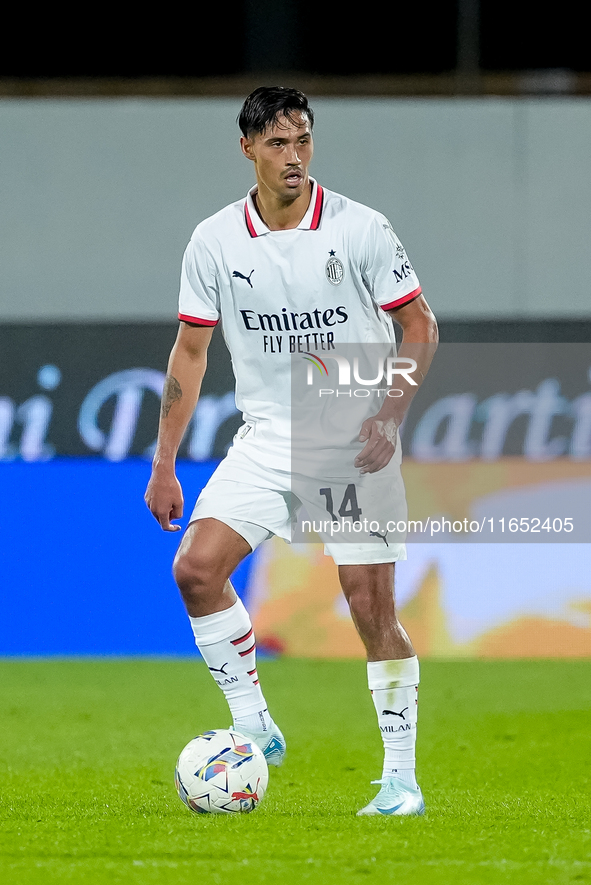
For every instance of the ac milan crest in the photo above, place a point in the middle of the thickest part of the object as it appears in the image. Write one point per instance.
(334, 269)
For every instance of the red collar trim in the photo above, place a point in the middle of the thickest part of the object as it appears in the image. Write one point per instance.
(317, 209)
(311, 221)
(249, 223)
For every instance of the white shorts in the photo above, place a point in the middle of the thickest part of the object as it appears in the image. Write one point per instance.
(258, 502)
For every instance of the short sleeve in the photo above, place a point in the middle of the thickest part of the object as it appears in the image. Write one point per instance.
(387, 271)
(198, 296)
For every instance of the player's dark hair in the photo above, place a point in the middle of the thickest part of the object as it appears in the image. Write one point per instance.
(265, 105)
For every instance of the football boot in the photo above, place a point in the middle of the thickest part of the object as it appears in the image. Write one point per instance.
(271, 742)
(395, 798)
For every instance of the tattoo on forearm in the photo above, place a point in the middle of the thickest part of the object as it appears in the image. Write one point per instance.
(171, 393)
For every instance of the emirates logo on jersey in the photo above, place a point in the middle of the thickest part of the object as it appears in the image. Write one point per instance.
(334, 269)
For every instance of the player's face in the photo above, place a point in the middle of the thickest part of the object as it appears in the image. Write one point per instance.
(281, 156)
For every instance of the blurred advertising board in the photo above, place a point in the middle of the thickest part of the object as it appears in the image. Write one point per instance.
(94, 390)
(498, 437)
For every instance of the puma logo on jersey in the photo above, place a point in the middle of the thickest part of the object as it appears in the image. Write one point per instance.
(221, 669)
(236, 273)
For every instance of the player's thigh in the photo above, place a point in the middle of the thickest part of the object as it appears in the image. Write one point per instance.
(255, 501)
(209, 550)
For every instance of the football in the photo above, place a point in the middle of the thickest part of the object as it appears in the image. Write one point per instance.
(221, 772)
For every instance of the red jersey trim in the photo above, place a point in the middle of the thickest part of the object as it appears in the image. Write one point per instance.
(249, 223)
(198, 321)
(404, 300)
(317, 209)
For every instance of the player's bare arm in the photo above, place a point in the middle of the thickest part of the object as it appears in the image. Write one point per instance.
(419, 342)
(186, 368)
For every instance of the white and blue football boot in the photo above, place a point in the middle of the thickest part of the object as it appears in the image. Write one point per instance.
(271, 742)
(395, 798)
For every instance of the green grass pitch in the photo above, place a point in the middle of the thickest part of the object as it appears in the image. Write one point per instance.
(88, 751)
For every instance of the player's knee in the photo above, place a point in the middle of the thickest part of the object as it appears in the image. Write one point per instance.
(196, 572)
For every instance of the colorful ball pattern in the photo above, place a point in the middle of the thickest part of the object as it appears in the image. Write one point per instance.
(221, 772)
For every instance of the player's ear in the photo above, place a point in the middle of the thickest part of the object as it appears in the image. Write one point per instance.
(246, 147)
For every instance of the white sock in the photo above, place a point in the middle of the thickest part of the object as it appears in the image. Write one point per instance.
(394, 689)
(227, 644)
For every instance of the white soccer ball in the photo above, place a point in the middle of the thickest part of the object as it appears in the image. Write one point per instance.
(221, 772)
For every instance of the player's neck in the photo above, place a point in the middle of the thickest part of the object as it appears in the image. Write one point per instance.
(279, 214)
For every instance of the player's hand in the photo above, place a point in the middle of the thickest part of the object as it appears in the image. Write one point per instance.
(164, 498)
(381, 444)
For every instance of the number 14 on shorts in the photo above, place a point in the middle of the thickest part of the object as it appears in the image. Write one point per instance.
(348, 509)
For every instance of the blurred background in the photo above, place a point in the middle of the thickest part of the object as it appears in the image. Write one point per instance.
(468, 124)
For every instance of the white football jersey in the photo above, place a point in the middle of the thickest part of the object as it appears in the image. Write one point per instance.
(306, 290)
